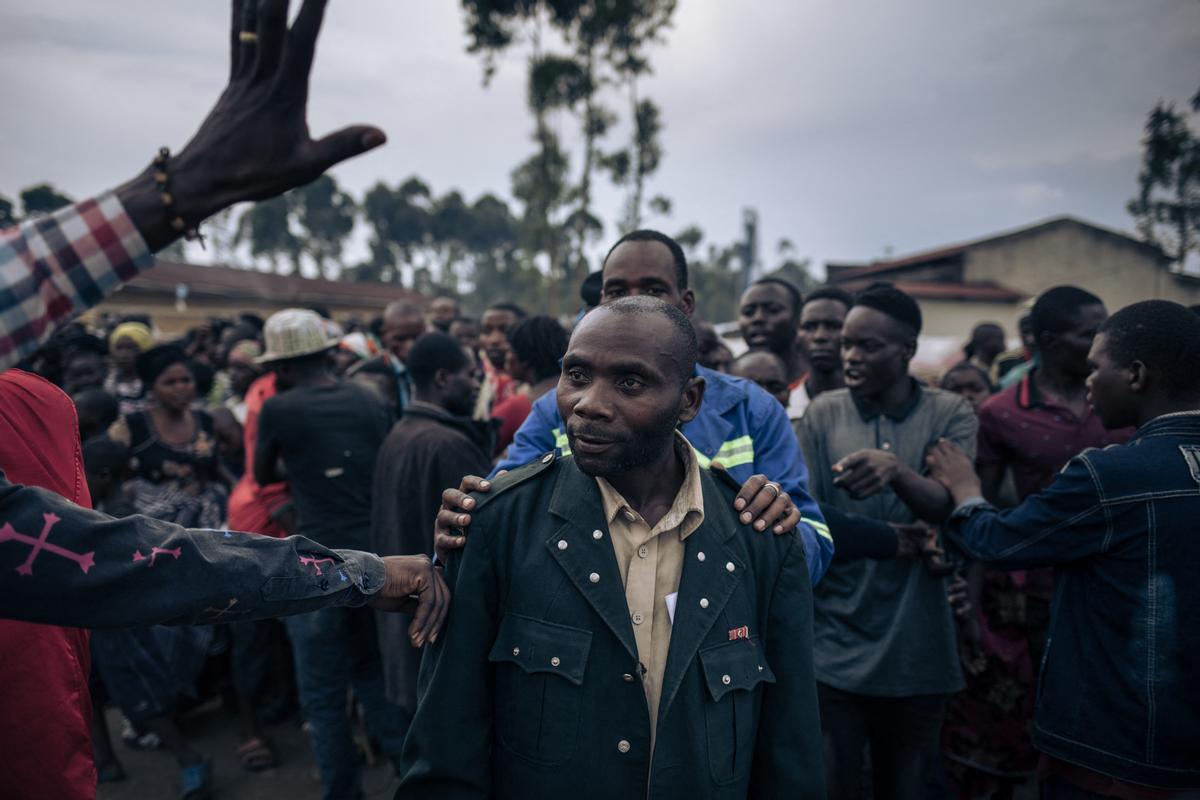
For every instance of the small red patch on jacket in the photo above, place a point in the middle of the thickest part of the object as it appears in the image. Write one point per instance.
(739, 633)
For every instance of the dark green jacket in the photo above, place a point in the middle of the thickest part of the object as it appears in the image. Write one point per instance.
(533, 688)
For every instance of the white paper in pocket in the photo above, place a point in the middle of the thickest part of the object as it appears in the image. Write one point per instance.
(670, 601)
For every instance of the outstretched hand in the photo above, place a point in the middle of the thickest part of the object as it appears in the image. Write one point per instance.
(254, 143)
(412, 583)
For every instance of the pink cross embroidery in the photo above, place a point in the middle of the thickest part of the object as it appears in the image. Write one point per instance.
(155, 552)
(315, 562)
(9, 534)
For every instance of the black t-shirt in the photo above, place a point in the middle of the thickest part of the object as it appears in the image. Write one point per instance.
(328, 438)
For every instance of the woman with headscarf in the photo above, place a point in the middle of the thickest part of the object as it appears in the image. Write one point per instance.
(174, 464)
(173, 455)
(127, 341)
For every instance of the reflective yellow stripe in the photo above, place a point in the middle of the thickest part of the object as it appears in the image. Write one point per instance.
(560, 441)
(820, 527)
(736, 452)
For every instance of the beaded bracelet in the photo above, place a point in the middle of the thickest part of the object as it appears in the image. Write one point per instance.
(162, 180)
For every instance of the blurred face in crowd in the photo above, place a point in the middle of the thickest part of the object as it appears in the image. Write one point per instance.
(83, 370)
(988, 341)
(459, 389)
(620, 393)
(766, 370)
(124, 356)
(637, 268)
(467, 333)
(820, 334)
(175, 388)
(400, 330)
(493, 336)
(968, 383)
(1068, 349)
(1108, 388)
(767, 319)
(240, 377)
(876, 349)
(442, 312)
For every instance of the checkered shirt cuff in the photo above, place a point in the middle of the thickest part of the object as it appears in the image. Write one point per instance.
(55, 267)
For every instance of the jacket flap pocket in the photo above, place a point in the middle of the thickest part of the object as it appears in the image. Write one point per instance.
(535, 645)
(734, 665)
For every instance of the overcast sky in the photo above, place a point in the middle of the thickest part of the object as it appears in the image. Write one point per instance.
(851, 127)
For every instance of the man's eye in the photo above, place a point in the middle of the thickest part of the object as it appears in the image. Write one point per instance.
(576, 374)
(614, 292)
(656, 291)
(629, 383)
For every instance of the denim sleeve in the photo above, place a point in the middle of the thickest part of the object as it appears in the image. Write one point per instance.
(61, 564)
(777, 455)
(536, 435)
(1063, 523)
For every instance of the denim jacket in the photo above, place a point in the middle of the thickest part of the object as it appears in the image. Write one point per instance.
(1119, 684)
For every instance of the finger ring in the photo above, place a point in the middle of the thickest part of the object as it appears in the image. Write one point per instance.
(773, 487)
(248, 37)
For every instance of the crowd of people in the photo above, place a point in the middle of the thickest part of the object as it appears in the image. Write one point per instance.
(801, 572)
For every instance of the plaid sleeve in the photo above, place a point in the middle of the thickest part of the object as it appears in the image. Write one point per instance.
(55, 267)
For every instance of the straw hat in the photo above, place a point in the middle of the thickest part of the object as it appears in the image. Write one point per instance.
(292, 333)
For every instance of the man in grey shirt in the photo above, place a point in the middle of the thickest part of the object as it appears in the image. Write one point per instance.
(884, 639)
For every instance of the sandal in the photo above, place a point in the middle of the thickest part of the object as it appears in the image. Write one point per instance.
(196, 780)
(255, 754)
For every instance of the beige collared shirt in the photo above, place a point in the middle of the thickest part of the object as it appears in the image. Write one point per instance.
(651, 562)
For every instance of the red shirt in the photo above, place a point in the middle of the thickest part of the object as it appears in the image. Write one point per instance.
(45, 707)
(1020, 429)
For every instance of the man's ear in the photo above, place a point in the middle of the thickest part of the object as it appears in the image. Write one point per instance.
(1138, 377)
(689, 402)
(440, 379)
(687, 301)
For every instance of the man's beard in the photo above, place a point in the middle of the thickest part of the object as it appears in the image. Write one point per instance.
(639, 450)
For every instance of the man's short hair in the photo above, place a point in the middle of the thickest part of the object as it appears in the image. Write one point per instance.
(401, 308)
(834, 293)
(897, 304)
(1164, 336)
(516, 310)
(648, 235)
(789, 287)
(1055, 309)
(431, 352)
(685, 346)
(540, 343)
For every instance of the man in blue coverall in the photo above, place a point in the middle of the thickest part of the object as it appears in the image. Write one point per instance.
(740, 427)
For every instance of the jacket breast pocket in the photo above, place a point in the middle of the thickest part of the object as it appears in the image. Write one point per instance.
(539, 686)
(733, 672)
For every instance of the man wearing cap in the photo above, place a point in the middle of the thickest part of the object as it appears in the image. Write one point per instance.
(327, 432)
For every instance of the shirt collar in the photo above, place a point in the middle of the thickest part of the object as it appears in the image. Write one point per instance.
(869, 410)
(1028, 395)
(686, 512)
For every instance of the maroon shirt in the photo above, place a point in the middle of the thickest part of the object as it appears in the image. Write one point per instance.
(1020, 429)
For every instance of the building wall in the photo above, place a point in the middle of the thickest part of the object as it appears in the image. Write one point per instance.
(956, 318)
(1119, 272)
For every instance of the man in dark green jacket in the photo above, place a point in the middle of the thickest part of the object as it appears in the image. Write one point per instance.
(616, 631)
